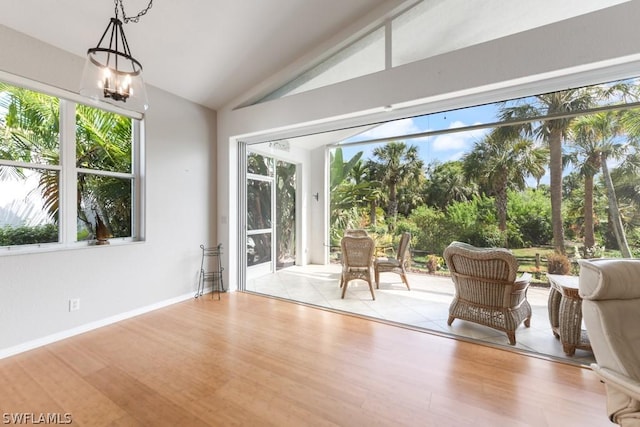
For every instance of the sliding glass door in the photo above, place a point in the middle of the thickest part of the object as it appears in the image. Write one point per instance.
(271, 214)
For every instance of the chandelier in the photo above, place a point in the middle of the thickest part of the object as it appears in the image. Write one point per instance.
(111, 74)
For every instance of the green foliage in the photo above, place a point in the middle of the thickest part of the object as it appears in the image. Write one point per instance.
(398, 166)
(30, 134)
(25, 235)
(593, 252)
(434, 263)
(285, 211)
(351, 194)
(446, 183)
(529, 214)
(344, 219)
(339, 169)
(427, 229)
(405, 225)
(474, 222)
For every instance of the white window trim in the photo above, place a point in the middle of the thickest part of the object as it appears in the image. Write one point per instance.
(68, 171)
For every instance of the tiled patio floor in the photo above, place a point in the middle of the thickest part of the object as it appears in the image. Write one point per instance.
(426, 306)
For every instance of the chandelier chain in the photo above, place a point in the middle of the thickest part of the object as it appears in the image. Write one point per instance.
(126, 19)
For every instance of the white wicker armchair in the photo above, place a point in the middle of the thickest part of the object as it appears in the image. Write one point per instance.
(487, 291)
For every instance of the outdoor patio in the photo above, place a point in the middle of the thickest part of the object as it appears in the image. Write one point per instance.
(425, 306)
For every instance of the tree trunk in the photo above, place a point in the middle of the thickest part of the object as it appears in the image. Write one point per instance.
(372, 212)
(614, 212)
(555, 172)
(589, 237)
(501, 208)
(393, 206)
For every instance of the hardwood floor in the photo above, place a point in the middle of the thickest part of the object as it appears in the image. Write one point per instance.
(252, 360)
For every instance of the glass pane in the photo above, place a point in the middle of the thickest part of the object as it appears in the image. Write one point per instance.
(366, 56)
(259, 165)
(435, 27)
(286, 213)
(28, 206)
(104, 207)
(103, 140)
(29, 126)
(258, 248)
(258, 204)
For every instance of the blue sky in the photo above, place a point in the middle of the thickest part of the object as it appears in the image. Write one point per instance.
(443, 148)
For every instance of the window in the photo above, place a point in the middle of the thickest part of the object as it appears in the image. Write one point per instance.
(260, 171)
(430, 28)
(365, 56)
(68, 172)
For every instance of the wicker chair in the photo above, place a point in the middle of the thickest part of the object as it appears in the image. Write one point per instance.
(356, 232)
(395, 265)
(487, 291)
(611, 309)
(357, 261)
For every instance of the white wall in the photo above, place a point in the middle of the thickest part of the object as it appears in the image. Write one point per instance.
(592, 48)
(117, 280)
(318, 209)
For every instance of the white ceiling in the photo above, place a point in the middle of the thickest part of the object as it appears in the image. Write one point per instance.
(213, 51)
(207, 51)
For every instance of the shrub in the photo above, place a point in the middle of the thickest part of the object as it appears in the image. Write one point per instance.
(25, 235)
(558, 264)
(529, 214)
(429, 233)
(593, 252)
(433, 263)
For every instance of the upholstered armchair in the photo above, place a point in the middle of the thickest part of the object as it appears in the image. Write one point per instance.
(610, 291)
(487, 290)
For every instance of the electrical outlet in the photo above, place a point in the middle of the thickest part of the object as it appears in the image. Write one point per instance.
(74, 304)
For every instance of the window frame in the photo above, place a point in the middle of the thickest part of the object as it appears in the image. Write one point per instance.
(68, 171)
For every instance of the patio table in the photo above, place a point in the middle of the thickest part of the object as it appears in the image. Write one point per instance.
(565, 313)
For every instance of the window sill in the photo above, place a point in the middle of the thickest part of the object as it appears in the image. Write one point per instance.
(57, 247)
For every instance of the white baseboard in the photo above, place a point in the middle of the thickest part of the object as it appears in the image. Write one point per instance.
(30, 345)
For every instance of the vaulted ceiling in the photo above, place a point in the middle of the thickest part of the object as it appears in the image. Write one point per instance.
(213, 51)
(207, 51)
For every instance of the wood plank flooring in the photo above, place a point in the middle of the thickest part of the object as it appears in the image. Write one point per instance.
(252, 360)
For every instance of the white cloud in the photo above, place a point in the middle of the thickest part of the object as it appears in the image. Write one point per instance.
(390, 129)
(458, 140)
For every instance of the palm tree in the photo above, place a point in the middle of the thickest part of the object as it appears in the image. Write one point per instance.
(595, 142)
(499, 162)
(553, 132)
(103, 142)
(586, 154)
(604, 129)
(30, 134)
(398, 164)
(446, 183)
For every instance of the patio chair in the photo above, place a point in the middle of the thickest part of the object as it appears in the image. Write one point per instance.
(353, 232)
(487, 291)
(611, 312)
(357, 261)
(395, 265)
(356, 232)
